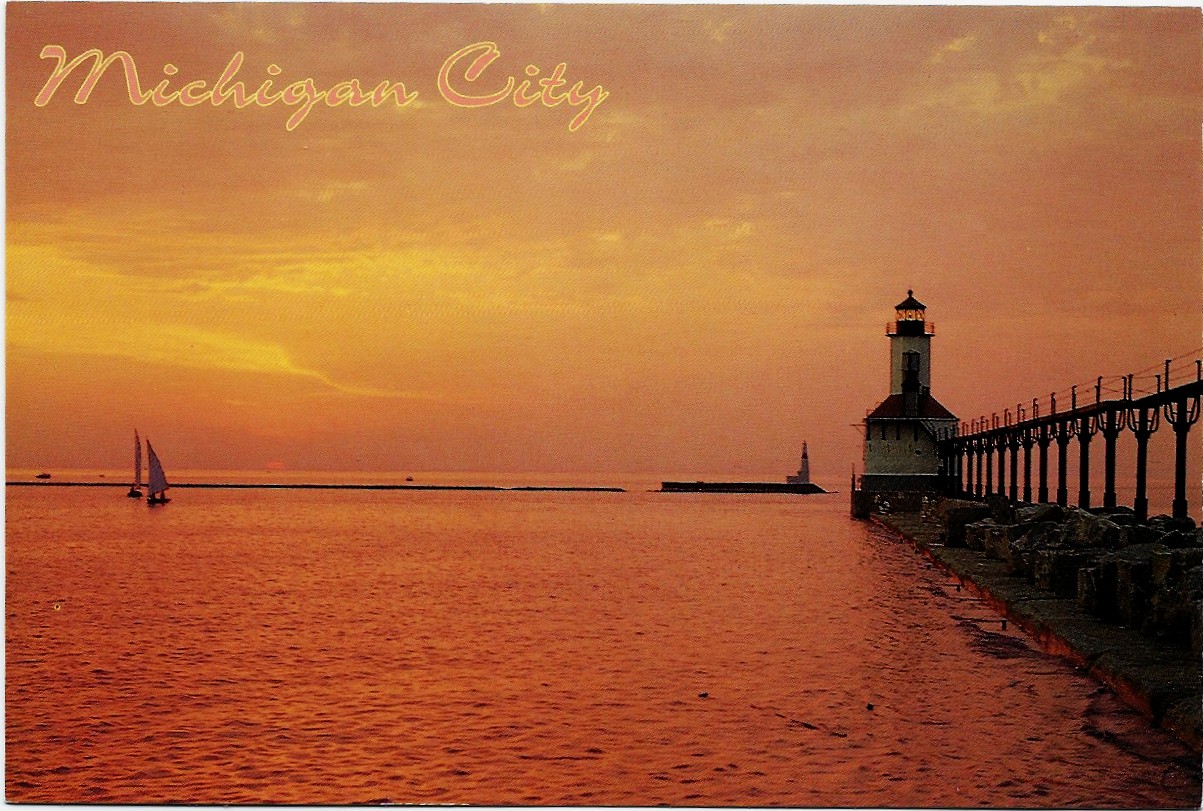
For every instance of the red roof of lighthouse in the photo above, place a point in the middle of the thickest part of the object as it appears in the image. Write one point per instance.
(893, 407)
(911, 302)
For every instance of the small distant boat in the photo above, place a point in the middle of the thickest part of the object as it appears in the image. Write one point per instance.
(136, 490)
(42, 476)
(156, 489)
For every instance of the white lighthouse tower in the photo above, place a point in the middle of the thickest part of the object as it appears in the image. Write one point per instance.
(901, 433)
(910, 345)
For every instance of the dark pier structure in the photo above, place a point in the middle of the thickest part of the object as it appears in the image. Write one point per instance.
(984, 459)
(800, 488)
(1118, 592)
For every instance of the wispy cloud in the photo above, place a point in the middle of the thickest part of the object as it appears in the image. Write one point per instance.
(1062, 61)
(955, 46)
(175, 345)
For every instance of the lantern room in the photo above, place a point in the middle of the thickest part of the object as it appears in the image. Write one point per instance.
(910, 317)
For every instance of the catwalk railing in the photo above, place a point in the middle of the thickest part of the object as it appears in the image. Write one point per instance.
(969, 458)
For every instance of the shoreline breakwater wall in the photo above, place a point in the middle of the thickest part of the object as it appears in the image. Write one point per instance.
(1120, 598)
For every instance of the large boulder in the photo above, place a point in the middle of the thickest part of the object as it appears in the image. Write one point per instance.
(1193, 587)
(1000, 509)
(1056, 569)
(1084, 529)
(955, 517)
(1165, 523)
(1096, 591)
(1192, 593)
(1115, 589)
(1030, 513)
(1196, 629)
(1012, 543)
(1123, 516)
(996, 542)
(1179, 539)
(1134, 534)
(1176, 585)
(1132, 591)
(1025, 541)
(990, 539)
(975, 534)
(1169, 566)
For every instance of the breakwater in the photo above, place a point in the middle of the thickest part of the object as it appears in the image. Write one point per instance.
(1123, 599)
(801, 488)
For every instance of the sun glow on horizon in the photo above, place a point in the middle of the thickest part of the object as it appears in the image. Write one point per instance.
(696, 279)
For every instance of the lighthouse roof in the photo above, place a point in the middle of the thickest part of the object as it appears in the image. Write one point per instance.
(911, 303)
(894, 407)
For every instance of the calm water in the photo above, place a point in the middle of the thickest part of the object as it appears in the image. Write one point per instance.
(534, 648)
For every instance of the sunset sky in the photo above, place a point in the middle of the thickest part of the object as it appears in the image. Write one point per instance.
(697, 278)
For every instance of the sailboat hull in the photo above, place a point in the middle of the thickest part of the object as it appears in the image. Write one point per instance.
(134, 493)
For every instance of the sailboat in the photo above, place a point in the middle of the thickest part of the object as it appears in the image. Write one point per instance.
(136, 490)
(156, 490)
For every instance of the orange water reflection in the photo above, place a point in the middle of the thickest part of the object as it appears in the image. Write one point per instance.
(536, 648)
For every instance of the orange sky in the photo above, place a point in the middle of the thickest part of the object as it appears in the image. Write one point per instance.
(697, 279)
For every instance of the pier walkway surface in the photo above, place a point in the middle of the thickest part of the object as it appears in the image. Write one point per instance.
(1160, 679)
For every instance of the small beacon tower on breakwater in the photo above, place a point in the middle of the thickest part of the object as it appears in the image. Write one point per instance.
(803, 475)
(901, 433)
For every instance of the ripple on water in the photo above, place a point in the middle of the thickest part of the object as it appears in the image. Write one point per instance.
(600, 649)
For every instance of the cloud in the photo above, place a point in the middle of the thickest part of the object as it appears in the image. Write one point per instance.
(174, 345)
(956, 46)
(336, 188)
(718, 31)
(69, 306)
(1062, 64)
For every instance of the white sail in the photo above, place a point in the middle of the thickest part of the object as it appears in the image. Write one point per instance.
(137, 460)
(158, 481)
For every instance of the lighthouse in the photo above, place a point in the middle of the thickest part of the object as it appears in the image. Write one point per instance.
(803, 474)
(901, 432)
